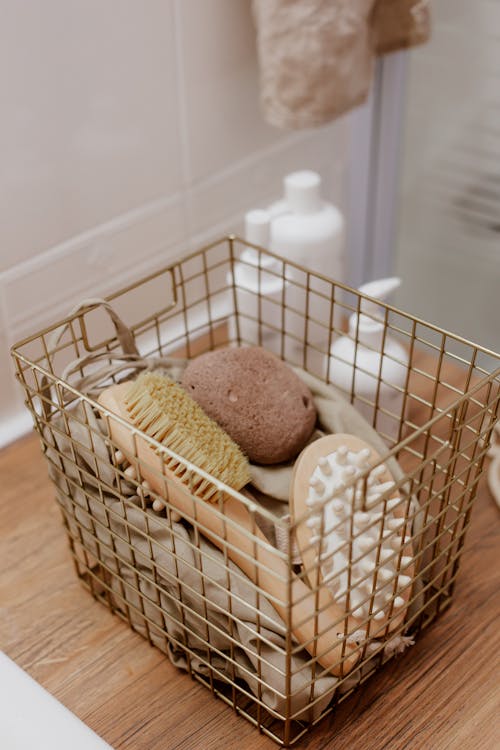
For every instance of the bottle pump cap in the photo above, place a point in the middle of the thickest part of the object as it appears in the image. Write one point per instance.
(247, 275)
(257, 227)
(302, 191)
(380, 289)
(370, 327)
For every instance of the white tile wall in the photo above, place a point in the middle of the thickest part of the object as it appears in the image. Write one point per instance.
(131, 131)
(217, 45)
(89, 121)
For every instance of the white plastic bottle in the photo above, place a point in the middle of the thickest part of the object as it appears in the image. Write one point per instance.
(359, 359)
(306, 229)
(267, 281)
(258, 283)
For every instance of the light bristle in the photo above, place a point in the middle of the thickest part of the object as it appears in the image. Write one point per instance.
(163, 410)
(366, 519)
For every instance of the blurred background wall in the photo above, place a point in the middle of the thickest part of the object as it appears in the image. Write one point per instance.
(130, 131)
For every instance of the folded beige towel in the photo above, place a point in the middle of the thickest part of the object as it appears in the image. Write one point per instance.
(316, 56)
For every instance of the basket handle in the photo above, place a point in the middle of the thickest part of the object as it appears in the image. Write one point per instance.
(123, 334)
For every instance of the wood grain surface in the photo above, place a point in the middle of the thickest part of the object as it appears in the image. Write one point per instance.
(443, 693)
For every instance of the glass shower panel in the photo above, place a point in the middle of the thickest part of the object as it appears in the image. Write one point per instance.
(448, 239)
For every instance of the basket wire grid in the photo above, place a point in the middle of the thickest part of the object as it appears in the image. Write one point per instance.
(444, 419)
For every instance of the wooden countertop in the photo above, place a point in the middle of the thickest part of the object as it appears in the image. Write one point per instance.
(444, 692)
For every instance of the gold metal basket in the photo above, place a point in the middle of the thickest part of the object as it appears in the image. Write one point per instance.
(128, 553)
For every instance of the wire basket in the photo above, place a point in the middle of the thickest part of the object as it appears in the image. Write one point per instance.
(158, 571)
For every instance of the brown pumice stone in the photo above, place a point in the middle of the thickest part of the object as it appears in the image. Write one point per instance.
(257, 399)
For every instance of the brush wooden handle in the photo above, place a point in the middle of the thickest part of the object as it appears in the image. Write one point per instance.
(321, 634)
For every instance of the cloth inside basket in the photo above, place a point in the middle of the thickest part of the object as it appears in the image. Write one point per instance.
(140, 556)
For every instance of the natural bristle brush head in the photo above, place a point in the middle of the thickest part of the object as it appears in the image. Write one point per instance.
(353, 536)
(163, 410)
(160, 408)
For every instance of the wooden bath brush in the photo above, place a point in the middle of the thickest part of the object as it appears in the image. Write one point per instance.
(353, 536)
(157, 406)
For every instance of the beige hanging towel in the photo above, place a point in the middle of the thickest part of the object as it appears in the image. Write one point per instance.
(316, 56)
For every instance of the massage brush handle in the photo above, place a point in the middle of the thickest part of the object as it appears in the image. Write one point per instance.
(237, 532)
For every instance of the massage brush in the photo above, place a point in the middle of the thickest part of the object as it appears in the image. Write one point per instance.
(354, 537)
(157, 406)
